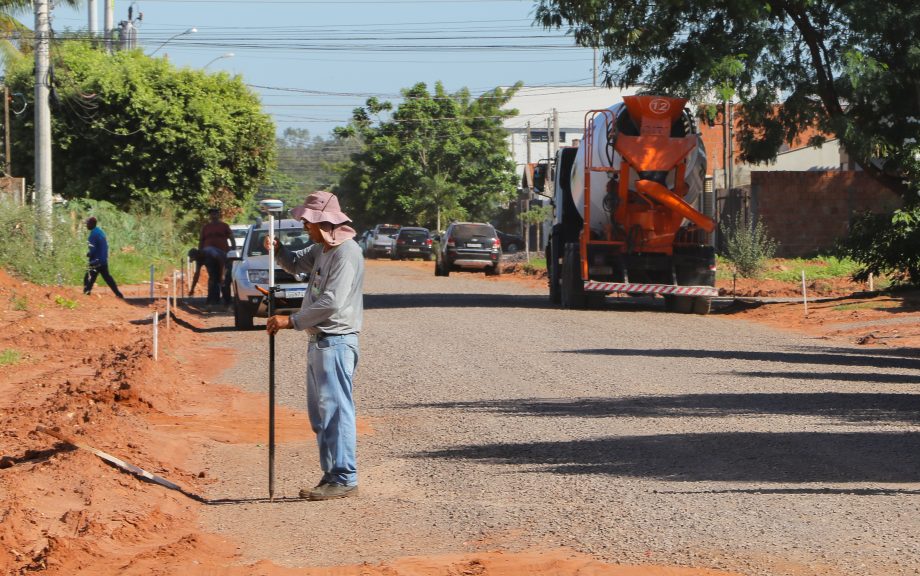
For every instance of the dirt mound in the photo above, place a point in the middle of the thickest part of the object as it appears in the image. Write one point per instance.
(83, 365)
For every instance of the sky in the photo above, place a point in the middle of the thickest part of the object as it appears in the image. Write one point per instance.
(313, 61)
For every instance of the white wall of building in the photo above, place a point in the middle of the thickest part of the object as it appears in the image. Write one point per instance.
(535, 105)
(824, 157)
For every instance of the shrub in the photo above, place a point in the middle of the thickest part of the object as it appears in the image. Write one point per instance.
(747, 247)
(886, 244)
(136, 240)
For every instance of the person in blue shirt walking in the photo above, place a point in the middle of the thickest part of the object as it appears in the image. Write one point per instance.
(98, 256)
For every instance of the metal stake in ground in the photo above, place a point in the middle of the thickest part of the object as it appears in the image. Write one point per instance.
(272, 207)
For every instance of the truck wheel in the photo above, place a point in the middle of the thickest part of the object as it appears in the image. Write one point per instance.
(702, 305)
(494, 270)
(573, 289)
(242, 316)
(552, 269)
(681, 304)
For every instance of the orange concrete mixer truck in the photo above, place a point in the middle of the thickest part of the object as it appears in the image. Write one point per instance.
(628, 209)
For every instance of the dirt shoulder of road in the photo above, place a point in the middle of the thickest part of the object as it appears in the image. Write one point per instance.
(837, 309)
(83, 366)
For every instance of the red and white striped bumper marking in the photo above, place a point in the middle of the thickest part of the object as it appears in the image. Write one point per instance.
(594, 286)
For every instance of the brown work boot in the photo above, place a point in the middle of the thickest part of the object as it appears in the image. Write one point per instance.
(305, 492)
(331, 491)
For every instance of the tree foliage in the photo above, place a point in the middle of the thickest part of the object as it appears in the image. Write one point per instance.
(848, 68)
(137, 132)
(437, 154)
(887, 244)
(308, 163)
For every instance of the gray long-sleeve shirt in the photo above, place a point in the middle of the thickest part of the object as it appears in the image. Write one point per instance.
(334, 300)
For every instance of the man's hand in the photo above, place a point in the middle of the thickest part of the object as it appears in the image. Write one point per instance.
(266, 244)
(278, 322)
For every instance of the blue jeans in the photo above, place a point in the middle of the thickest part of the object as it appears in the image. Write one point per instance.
(331, 364)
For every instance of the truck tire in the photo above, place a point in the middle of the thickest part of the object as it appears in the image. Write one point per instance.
(573, 289)
(553, 273)
(702, 305)
(679, 304)
(242, 315)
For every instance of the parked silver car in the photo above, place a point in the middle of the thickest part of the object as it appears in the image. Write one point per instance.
(251, 273)
(381, 241)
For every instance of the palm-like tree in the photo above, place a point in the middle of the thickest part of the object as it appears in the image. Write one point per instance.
(9, 25)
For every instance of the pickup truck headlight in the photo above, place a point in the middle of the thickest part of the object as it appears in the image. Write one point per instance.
(257, 276)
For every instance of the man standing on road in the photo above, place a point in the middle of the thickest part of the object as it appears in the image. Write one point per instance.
(331, 313)
(216, 239)
(98, 256)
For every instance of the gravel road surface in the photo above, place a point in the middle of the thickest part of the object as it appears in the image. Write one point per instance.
(637, 436)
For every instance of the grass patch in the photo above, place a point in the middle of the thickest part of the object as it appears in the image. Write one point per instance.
(65, 302)
(790, 270)
(20, 303)
(136, 240)
(867, 306)
(8, 357)
(535, 266)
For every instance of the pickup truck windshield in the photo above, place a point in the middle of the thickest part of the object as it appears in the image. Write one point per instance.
(293, 239)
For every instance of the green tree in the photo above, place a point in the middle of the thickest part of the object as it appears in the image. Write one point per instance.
(437, 154)
(308, 163)
(137, 132)
(849, 69)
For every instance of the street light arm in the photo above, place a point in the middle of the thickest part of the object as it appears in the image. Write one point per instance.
(189, 31)
(227, 55)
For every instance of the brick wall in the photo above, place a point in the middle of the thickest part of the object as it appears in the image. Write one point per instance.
(807, 212)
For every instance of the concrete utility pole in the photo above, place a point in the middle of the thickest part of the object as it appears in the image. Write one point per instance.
(43, 235)
(528, 142)
(92, 13)
(555, 132)
(594, 77)
(7, 161)
(109, 24)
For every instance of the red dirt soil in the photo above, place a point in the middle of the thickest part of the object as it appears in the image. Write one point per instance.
(85, 369)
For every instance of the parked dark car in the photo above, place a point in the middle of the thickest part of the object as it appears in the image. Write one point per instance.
(468, 246)
(511, 243)
(412, 243)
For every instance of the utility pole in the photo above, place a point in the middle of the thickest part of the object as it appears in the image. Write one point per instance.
(726, 145)
(555, 132)
(109, 24)
(42, 126)
(92, 13)
(523, 204)
(730, 118)
(7, 161)
(594, 76)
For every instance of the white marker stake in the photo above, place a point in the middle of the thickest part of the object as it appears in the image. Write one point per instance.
(871, 283)
(151, 281)
(804, 297)
(156, 325)
(167, 308)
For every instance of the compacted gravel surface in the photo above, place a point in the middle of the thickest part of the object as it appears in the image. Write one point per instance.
(495, 421)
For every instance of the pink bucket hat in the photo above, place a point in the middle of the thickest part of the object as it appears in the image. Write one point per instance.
(320, 207)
